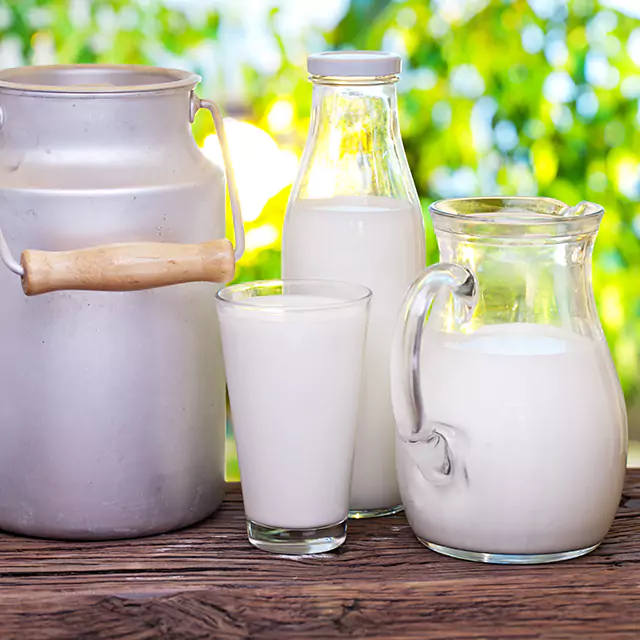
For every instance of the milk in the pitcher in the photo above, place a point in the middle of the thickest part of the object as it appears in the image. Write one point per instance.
(294, 412)
(537, 439)
(378, 242)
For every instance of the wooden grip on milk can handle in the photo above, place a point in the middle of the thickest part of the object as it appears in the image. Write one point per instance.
(127, 267)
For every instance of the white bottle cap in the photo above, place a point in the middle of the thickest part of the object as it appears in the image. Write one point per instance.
(362, 64)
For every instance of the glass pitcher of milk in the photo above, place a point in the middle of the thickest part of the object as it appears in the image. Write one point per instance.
(511, 423)
(354, 216)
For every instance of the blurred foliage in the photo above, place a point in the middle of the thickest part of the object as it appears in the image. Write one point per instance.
(104, 31)
(497, 97)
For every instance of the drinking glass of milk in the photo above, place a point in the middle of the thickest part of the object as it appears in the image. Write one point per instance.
(354, 215)
(511, 423)
(293, 353)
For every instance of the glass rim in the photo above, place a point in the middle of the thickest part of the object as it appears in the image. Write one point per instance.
(363, 294)
(446, 208)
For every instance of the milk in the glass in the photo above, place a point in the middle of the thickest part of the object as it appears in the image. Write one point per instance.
(294, 409)
(537, 440)
(378, 242)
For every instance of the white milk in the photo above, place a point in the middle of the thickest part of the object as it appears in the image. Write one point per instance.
(294, 380)
(377, 242)
(536, 423)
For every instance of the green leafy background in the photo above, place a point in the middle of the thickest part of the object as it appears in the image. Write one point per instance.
(503, 96)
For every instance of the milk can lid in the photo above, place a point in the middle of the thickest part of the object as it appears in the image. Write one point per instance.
(354, 63)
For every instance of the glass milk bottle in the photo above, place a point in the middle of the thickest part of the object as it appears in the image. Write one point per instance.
(354, 215)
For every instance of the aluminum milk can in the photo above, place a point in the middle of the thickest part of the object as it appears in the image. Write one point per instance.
(112, 391)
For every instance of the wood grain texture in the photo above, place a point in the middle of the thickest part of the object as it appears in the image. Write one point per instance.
(127, 267)
(207, 581)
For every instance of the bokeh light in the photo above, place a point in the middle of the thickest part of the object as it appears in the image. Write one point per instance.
(262, 169)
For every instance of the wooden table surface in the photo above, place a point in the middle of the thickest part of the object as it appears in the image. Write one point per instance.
(207, 581)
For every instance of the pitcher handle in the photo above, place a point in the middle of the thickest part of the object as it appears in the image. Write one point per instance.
(412, 423)
(238, 228)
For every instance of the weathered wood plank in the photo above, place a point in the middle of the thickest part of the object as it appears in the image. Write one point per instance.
(207, 581)
(352, 609)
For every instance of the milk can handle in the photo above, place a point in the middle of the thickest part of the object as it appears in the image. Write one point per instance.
(136, 265)
(238, 228)
(412, 422)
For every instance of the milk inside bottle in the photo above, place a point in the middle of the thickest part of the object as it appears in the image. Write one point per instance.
(354, 216)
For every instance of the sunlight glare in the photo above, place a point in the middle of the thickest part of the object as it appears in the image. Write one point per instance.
(262, 169)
